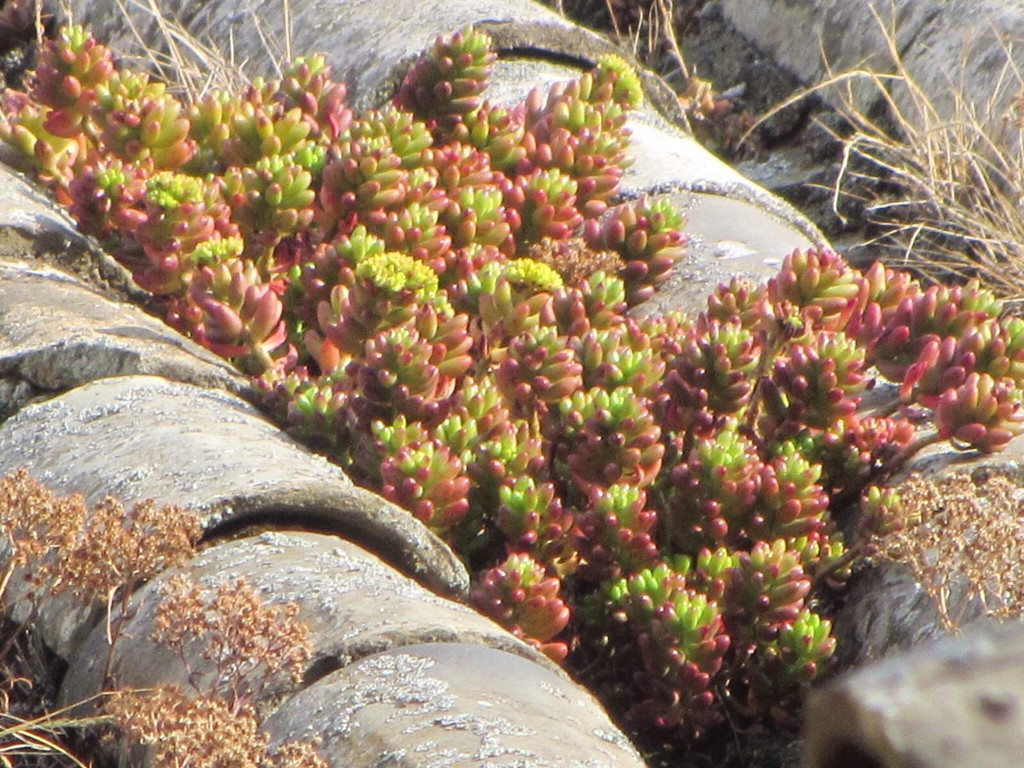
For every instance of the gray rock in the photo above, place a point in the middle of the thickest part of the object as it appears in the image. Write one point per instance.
(353, 604)
(968, 50)
(447, 705)
(57, 333)
(955, 703)
(212, 452)
(885, 610)
(951, 48)
(942, 458)
(833, 35)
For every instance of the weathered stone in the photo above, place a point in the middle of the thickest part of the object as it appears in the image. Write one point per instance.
(952, 49)
(447, 705)
(886, 610)
(353, 604)
(943, 458)
(833, 36)
(57, 333)
(955, 703)
(967, 51)
(142, 437)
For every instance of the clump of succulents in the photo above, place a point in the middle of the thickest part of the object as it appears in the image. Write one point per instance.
(437, 293)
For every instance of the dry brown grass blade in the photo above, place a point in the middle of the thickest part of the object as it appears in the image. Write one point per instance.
(20, 737)
(668, 31)
(948, 199)
(188, 64)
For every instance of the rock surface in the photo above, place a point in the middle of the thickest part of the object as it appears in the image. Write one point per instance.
(950, 48)
(886, 610)
(451, 705)
(955, 703)
(32, 226)
(59, 333)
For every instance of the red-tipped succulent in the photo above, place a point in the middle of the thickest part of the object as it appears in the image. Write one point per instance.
(680, 640)
(522, 597)
(616, 533)
(647, 236)
(819, 282)
(983, 413)
(68, 72)
(444, 86)
(611, 437)
(715, 489)
(429, 481)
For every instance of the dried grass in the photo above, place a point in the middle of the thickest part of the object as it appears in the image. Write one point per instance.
(941, 187)
(107, 551)
(245, 639)
(25, 741)
(191, 65)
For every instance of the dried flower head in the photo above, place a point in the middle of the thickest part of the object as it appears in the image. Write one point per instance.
(182, 731)
(247, 640)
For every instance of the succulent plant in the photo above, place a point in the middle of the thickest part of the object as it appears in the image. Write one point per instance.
(542, 204)
(620, 356)
(520, 595)
(533, 520)
(139, 121)
(821, 285)
(817, 383)
(270, 200)
(611, 437)
(765, 591)
(715, 490)
(443, 87)
(680, 640)
(306, 84)
(647, 236)
(983, 413)
(740, 299)
(68, 73)
(793, 659)
(714, 370)
(512, 298)
(429, 481)
(616, 533)
(233, 312)
(388, 289)
(792, 503)
(538, 370)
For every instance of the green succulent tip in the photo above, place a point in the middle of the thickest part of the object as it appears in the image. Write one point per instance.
(217, 251)
(627, 88)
